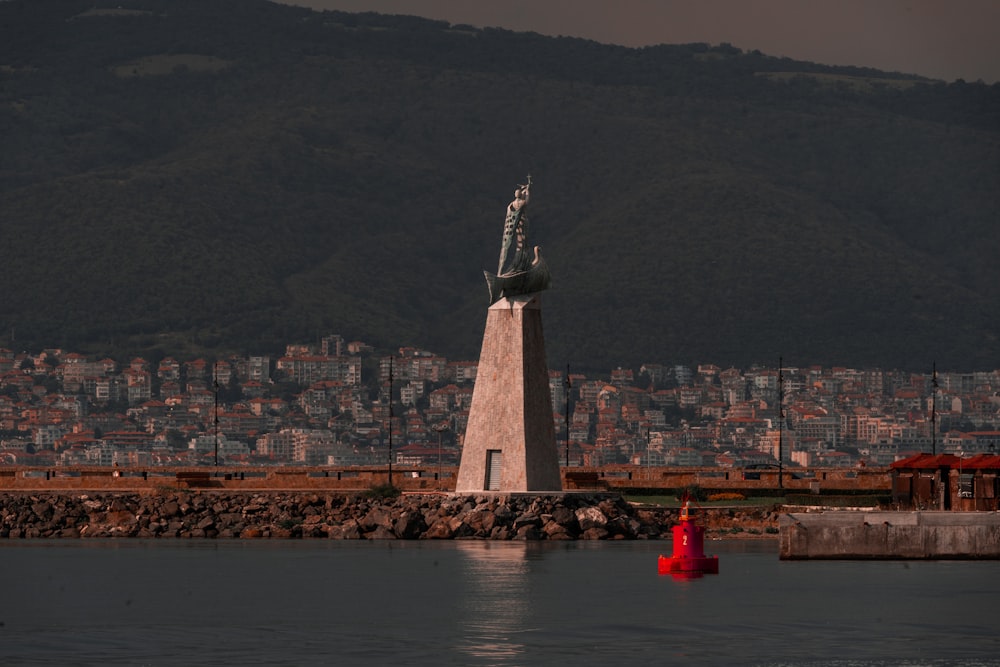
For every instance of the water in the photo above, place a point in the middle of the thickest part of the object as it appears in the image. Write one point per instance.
(217, 602)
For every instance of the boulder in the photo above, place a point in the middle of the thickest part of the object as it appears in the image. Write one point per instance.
(481, 521)
(528, 532)
(439, 530)
(556, 531)
(377, 517)
(409, 525)
(380, 533)
(42, 509)
(591, 517)
(594, 533)
(348, 530)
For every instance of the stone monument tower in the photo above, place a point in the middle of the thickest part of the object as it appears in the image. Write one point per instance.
(510, 443)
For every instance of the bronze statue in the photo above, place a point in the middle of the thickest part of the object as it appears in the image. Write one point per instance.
(520, 271)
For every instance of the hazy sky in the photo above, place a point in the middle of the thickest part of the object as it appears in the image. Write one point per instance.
(941, 39)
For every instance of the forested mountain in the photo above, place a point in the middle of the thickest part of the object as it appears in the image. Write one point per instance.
(185, 176)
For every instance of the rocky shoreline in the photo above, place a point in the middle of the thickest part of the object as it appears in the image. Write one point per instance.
(293, 515)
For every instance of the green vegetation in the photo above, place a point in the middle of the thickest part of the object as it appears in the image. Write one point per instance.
(170, 64)
(725, 495)
(847, 500)
(382, 492)
(724, 500)
(674, 501)
(201, 176)
(693, 492)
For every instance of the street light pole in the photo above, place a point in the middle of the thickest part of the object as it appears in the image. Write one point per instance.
(215, 385)
(781, 422)
(934, 387)
(566, 386)
(440, 427)
(390, 422)
(649, 438)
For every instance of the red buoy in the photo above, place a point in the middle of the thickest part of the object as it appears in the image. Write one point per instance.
(688, 558)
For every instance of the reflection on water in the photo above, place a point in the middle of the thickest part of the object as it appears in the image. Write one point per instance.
(495, 600)
(430, 603)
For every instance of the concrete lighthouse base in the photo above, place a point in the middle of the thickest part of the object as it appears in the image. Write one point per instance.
(510, 443)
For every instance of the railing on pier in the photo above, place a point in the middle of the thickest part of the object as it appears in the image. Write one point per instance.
(434, 478)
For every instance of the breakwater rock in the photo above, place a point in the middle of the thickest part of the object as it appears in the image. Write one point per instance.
(180, 514)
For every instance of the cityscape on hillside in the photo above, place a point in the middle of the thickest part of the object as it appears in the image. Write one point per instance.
(329, 404)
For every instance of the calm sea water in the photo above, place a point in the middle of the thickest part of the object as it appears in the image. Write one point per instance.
(222, 602)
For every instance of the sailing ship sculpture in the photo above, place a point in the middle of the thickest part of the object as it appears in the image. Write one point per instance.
(510, 440)
(519, 271)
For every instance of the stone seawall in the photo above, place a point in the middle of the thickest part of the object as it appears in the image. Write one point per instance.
(890, 535)
(225, 514)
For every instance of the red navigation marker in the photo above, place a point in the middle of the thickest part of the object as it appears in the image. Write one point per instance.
(688, 559)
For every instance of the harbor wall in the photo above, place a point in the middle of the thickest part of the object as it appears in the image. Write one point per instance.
(623, 478)
(220, 513)
(889, 535)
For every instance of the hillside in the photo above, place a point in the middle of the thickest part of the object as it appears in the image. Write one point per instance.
(185, 176)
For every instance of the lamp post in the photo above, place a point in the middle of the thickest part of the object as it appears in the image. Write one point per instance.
(390, 422)
(566, 388)
(934, 388)
(781, 422)
(215, 384)
(648, 440)
(440, 428)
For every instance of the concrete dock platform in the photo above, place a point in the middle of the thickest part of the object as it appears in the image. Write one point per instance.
(889, 535)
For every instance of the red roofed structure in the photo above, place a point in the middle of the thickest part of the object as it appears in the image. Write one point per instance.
(947, 482)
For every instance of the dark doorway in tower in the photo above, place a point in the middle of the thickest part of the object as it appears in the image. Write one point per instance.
(494, 464)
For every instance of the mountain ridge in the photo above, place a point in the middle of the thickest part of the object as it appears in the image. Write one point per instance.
(280, 173)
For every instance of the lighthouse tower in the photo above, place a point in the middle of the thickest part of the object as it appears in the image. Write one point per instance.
(510, 442)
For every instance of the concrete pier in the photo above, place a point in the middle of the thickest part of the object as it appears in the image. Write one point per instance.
(889, 535)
